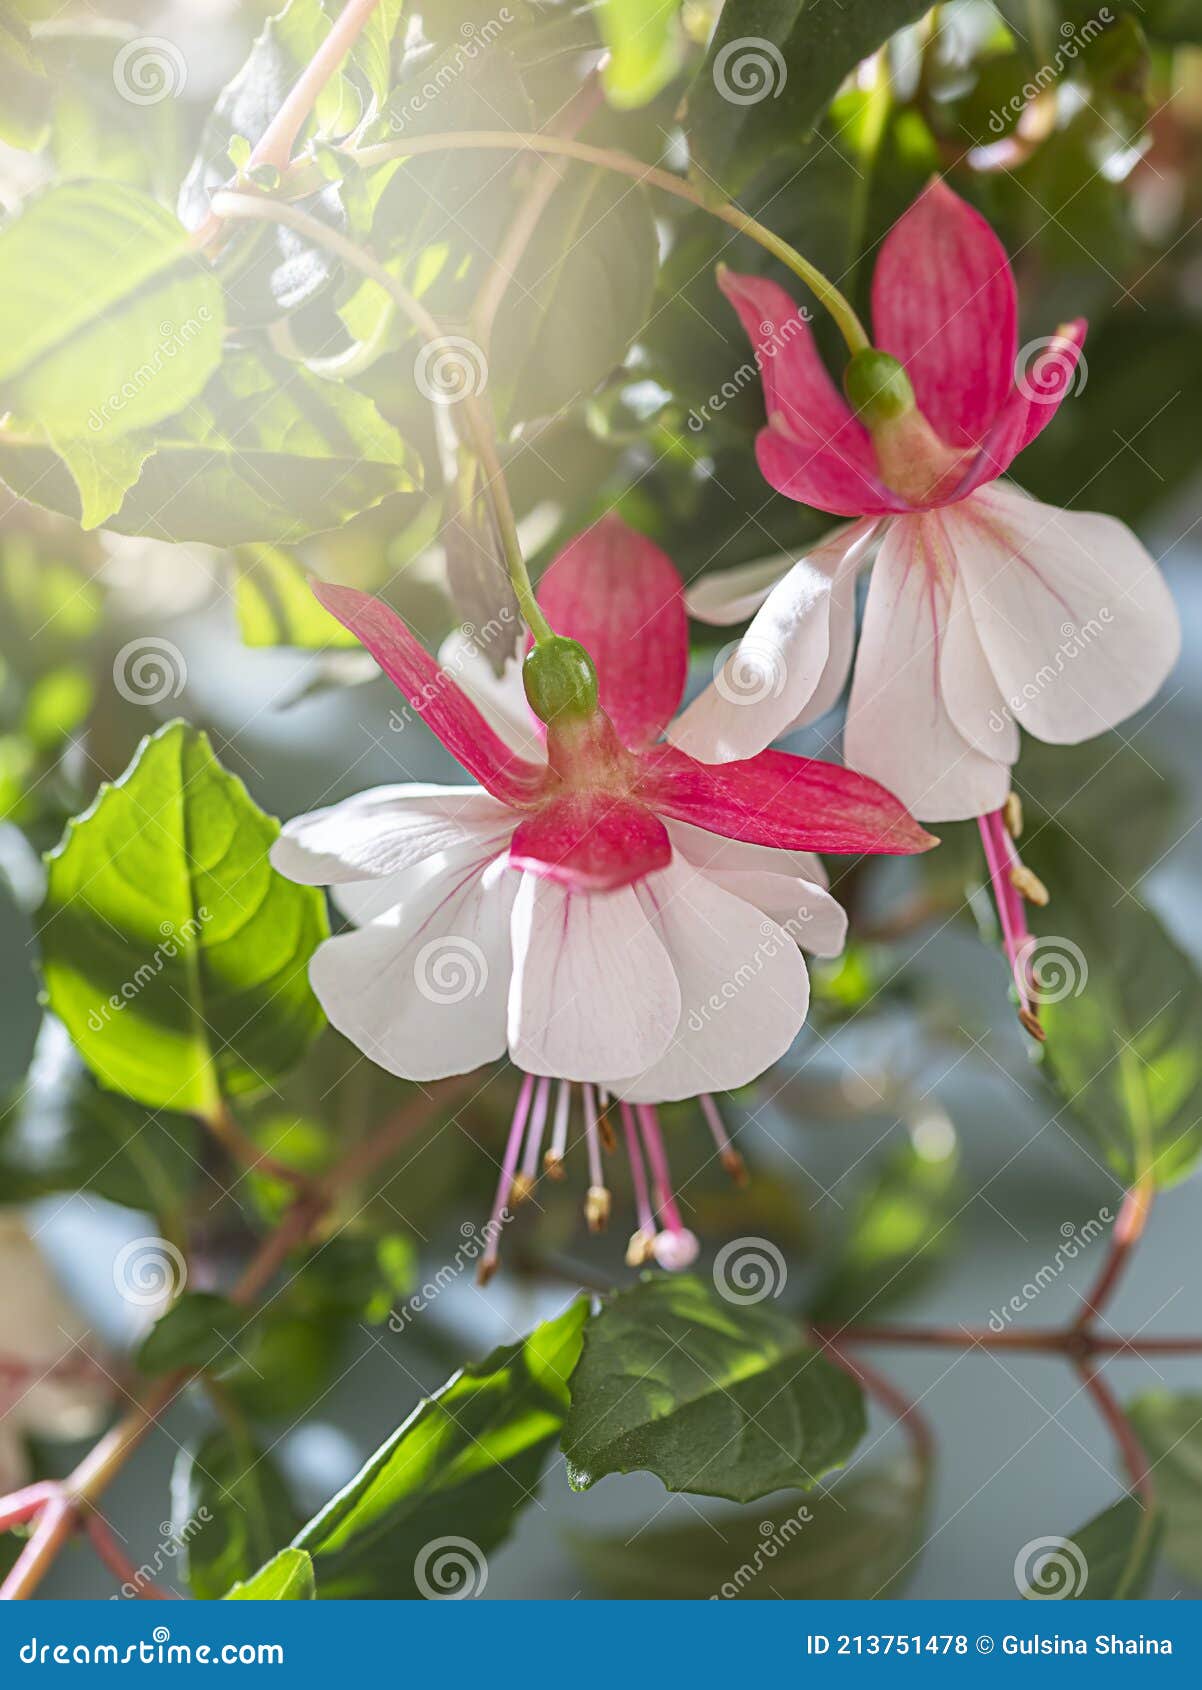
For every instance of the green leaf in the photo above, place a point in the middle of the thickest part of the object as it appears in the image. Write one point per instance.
(470, 1456)
(772, 69)
(230, 1509)
(104, 471)
(1122, 1005)
(61, 1132)
(193, 1333)
(899, 1228)
(715, 1398)
(645, 48)
(276, 605)
(581, 293)
(1169, 1426)
(854, 1544)
(1109, 1559)
(26, 93)
(111, 323)
(270, 452)
(173, 952)
(287, 1577)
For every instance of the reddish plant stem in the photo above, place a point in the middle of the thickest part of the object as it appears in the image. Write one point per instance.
(55, 1524)
(1128, 1230)
(894, 1401)
(1121, 1429)
(119, 1563)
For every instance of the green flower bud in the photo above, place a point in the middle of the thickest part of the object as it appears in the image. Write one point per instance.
(560, 680)
(877, 387)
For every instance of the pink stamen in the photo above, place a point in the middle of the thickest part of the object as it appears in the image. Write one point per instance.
(661, 1174)
(638, 1174)
(491, 1256)
(1001, 858)
(595, 1174)
(538, 1122)
(559, 1131)
(730, 1158)
(22, 1505)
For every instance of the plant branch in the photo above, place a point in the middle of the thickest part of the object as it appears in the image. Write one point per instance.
(1121, 1429)
(234, 1138)
(894, 1401)
(119, 1563)
(1127, 1232)
(492, 140)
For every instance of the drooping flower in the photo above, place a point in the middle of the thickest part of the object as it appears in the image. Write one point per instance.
(611, 912)
(987, 610)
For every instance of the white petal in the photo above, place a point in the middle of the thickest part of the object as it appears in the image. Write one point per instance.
(710, 851)
(898, 729)
(425, 996)
(594, 994)
(500, 699)
(388, 897)
(385, 831)
(790, 886)
(743, 984)
(1073, 613)
(973, 698)
(728, 596)
(769, 679)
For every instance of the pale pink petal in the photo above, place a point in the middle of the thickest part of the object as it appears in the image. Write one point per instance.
(591, 840)
(728, 596)
(768, 681)
(973, 698)
(789, 886)
(433, 695)
(384, 831)
(500, 699)
(1074, 616)
(943, 301)
(744, 990)
(899, 729)
(425, 996)
(594, 994)
(621, 597)
(793, 803)
(711, 851)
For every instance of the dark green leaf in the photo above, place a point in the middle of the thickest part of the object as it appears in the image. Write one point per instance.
(171, 949)
(581, 293)
(1109, 1559)
(1122, 1005)
(194, 1333)
(268, 453)
(1169, 1426)
(773, 68)
(287, 1577)
(62, 1132)
(469, 1457)
(111, 323)
(230, 1509)
(899, 1228)
(855, 1544)
(713, 1397)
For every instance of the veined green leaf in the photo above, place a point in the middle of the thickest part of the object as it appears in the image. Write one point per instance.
(276, 604)
(713, 1397)
(287, 1577)
(1109, 1559)
(645, 48)
(230, 1510)
(172, 951)
(1169, 1426)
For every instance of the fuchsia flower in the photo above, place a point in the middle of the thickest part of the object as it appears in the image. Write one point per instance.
(986, 608)
(610, 911)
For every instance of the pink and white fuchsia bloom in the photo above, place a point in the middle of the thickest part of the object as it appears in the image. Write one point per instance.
(986, 609)
(605, 908)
